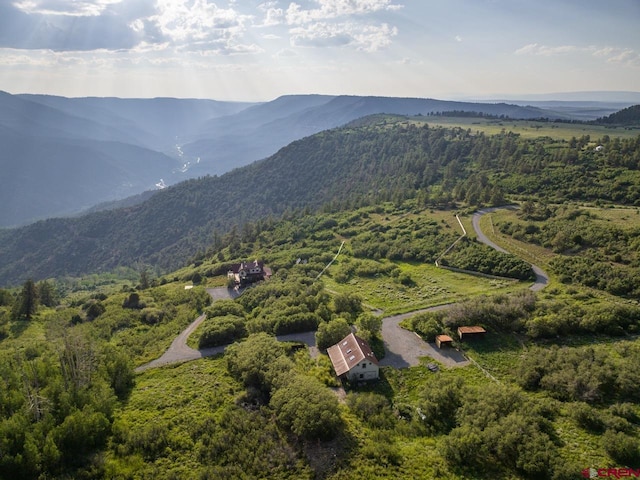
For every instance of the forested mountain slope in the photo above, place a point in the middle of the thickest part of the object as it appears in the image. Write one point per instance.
(260, 131)
(61, 155)
(380, 159)
(184, 138)
(626, 116)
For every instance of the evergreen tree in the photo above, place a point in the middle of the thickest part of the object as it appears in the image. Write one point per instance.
(27, 302)
(47, 294)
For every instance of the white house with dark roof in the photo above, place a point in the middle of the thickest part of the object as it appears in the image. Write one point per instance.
(353, 359)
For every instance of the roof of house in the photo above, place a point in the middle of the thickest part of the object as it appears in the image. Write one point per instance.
(236, 267)
(349, 352)
(474, 329)
(444, 338)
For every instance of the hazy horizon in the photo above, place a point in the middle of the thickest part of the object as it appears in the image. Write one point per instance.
(260, 50)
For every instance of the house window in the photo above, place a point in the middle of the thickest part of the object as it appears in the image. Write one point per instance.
(362, 375)
(364, 365)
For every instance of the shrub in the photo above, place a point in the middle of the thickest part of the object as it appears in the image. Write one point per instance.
(152, 316)
(93, 309)
(428, 325)
(330, 333)
(587, 417)
(621, 447)
(221, 331)
(249, 361)
(298, 322)
(307, 408)
(132, 301)
(372, 408)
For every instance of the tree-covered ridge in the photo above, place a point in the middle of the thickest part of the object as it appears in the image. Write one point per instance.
(626, 116)
(337, 169)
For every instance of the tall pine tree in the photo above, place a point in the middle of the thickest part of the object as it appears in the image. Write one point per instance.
(27, 302)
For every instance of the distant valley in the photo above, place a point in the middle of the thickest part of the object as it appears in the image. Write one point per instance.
(62, 156)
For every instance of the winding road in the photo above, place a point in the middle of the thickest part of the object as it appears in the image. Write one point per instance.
(403, 348)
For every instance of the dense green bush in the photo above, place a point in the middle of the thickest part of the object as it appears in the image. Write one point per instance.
(249, 361)
(439, 402)
(477, 257)
(428, 325)
(330, 333)
(496, 426)
(505, 313)
(307, 408)
(221, 330)
(372, 408)
(623, 448)
(586, 374)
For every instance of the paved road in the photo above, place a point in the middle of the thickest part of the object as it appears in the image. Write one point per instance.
(542, 279)
(179, 351)
(403, 348)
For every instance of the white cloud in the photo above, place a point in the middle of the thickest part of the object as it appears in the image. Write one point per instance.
(285, 53)
(624, 56)
(330, 9)
(273, 15)
(544, 50)
(363, 37)
(183, 20)
(79, 8)
(458, 38)
(198, 25)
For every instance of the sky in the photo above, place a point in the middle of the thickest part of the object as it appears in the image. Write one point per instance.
(257, 50)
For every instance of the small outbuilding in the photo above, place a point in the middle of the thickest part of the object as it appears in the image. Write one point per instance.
(353, 359)
(443, 341)
(471, 333)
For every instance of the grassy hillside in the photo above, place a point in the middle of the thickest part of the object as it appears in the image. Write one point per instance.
(553, 389)
(535, 129)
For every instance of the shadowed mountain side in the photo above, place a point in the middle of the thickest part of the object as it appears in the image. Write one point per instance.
(155, 122)
(175, 223)
(42, 177)
(261, 130)
(61, 155)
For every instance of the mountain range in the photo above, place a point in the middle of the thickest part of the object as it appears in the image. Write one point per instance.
(371, 160)
(62, 156)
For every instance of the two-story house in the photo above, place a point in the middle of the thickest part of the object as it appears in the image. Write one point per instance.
(353, 359)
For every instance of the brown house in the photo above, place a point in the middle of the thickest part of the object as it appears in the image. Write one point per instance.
(471, 333)
(245, 273)
(353, 359)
